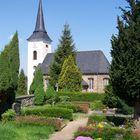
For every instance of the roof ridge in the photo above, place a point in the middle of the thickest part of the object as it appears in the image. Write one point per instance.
(92, 51)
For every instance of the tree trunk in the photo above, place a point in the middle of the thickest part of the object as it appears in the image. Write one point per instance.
(137, 115)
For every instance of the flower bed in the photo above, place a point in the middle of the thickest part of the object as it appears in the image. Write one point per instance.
(99, 127)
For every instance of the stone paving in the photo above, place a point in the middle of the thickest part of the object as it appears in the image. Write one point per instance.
(67, 132)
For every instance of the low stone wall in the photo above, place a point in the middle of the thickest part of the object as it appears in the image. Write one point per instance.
(27, 100)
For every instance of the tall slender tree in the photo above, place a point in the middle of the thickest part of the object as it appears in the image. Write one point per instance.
(22, 84)
(38, 79)
(9, 70)
(66, 47)
(125, 67)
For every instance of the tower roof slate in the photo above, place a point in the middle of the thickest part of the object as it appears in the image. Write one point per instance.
(40, 31)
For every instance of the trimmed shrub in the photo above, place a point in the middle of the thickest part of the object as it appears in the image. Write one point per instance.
(39, 95)
(8, 115)
(57, 123)
(79, 96)
(72, 106)
(49, 112)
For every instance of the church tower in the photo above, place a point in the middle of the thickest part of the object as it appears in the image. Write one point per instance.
(39, 45)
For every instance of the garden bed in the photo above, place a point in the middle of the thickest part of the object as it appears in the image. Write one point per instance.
(57, 123)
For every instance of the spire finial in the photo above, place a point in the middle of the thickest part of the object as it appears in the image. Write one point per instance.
(40, 19)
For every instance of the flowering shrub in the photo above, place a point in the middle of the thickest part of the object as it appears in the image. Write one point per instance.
(100, 125)
(83, 138)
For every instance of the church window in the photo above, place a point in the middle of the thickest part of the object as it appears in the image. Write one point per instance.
(35, 55)
(91, 82)
(105, 81)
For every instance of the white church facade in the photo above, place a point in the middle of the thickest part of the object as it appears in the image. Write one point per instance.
(93, 64)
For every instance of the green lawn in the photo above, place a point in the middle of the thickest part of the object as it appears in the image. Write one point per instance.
(14, 131)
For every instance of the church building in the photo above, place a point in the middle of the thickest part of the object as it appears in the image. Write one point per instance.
(93, 64)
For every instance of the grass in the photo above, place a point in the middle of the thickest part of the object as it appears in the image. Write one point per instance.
(15, 131)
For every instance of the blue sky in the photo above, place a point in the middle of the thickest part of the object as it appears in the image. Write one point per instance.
(92, 22)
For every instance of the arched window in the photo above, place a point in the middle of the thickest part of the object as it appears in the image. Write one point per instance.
(35, 55)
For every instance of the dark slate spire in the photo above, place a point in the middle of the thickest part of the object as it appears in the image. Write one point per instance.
(40, 31)
(40, 19)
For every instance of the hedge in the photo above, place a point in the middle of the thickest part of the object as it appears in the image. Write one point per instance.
(75, 108)
(49, 112)
(37, 120)
(87, 97)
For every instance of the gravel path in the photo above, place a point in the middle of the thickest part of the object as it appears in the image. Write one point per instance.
(67, 132)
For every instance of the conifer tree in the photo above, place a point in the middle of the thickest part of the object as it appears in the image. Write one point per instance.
(39, 95)
(65, 48)
(14, 61)
(4, 72)
(38, 79)
(70, 77)
(125, 67)
(22, 84)
(9, 69)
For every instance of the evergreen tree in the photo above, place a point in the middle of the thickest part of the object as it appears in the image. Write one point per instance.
(125, 67)
(14, 61)
(38, 79)
(9, 68)
(39, 95)
(22, 87)
(65, 48)
(4, 72)
(70, 78)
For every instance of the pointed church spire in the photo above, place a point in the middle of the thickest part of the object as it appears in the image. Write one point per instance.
(40, 19)
(40, 31)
